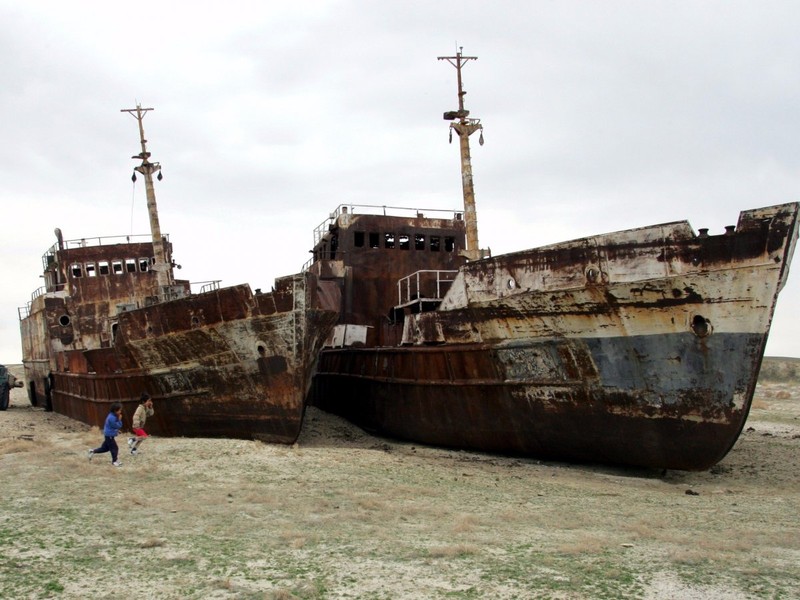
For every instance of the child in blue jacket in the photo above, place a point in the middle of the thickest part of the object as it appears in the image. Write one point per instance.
(110, 430)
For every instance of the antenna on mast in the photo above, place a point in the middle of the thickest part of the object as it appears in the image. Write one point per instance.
(162, 268)
(465, 127)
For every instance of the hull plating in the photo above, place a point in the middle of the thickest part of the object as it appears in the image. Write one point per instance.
(222, 364)
(555, 399)
(640, 347)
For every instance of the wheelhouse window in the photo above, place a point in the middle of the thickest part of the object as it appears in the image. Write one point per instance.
(449, 244)
(144, 264)
(358, 239)
(388, 240)
(130, 265)
(116, 267)
(102, 266)
(436, 243)
(419, 241)
(374, 240)
(405, 241)
(91, 270)
(76, 270)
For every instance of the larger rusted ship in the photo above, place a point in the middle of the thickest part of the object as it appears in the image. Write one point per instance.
(640, 347)
(112, 321)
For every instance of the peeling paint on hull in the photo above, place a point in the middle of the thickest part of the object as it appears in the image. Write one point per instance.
(112, 322)
(226, 363)
(481, 397)
(641, 347)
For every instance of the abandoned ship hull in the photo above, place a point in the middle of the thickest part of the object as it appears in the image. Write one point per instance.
(226, 363)
(641, 347)
(505, 399)
(112, 322)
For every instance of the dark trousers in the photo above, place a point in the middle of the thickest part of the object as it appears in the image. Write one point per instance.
(109, 445)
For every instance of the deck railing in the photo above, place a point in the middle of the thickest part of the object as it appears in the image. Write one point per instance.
(380, 209)
(425, 285)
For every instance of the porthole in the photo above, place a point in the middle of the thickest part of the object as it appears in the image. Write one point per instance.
(64, 320)
(511, 283)
(701, 326)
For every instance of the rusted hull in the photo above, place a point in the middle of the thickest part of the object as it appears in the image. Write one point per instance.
(640, 348)
(203, 402)
(226, 363)
(112, 322)
(483, 398)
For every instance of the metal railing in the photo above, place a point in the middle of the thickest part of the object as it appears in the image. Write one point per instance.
(206, 286)
(379, 209)
(108, 240)
(173, 293)
(425, 285)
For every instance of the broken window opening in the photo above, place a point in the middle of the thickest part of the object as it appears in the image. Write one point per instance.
(334, 246)
(405, 241)
(75, 270)
(449, 244)
(91, 270)
(388, 240)
(130, 265)
(419, 241)
(103, 267)
(144, 265)
(435, 243)
(358, 239)
(116, 267)
(374, 240)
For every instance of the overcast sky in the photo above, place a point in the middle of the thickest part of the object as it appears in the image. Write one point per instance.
(598, 116)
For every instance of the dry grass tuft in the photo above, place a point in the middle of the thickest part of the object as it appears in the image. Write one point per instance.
(306, 591)
(152, 543)
(690, 556)
(583, 545)
(642, 530)
(465, 524)
(454, 550)
(16, 445)
(372, 504)
(224, 584)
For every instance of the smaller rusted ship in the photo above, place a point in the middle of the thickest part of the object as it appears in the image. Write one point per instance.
(112, 321)
(640, 347)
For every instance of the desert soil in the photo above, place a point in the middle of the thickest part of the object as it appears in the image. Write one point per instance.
(342, 514)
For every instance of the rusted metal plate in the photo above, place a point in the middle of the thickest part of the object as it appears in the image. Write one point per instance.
(225, 363)
(639, 347)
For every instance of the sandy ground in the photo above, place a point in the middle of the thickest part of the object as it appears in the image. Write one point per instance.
(342, 514)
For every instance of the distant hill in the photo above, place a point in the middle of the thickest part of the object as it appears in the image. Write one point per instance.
(779, 368)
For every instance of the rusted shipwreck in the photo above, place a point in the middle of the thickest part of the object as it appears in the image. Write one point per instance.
(639, 347)
(112, 321)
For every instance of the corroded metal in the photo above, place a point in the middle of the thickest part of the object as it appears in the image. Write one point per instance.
(147, 168)
(227, 362)
(639, 347)
(464, 126)
(112, 322)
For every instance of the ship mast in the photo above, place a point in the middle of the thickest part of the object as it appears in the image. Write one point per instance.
(147, 168)
(465, 127)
